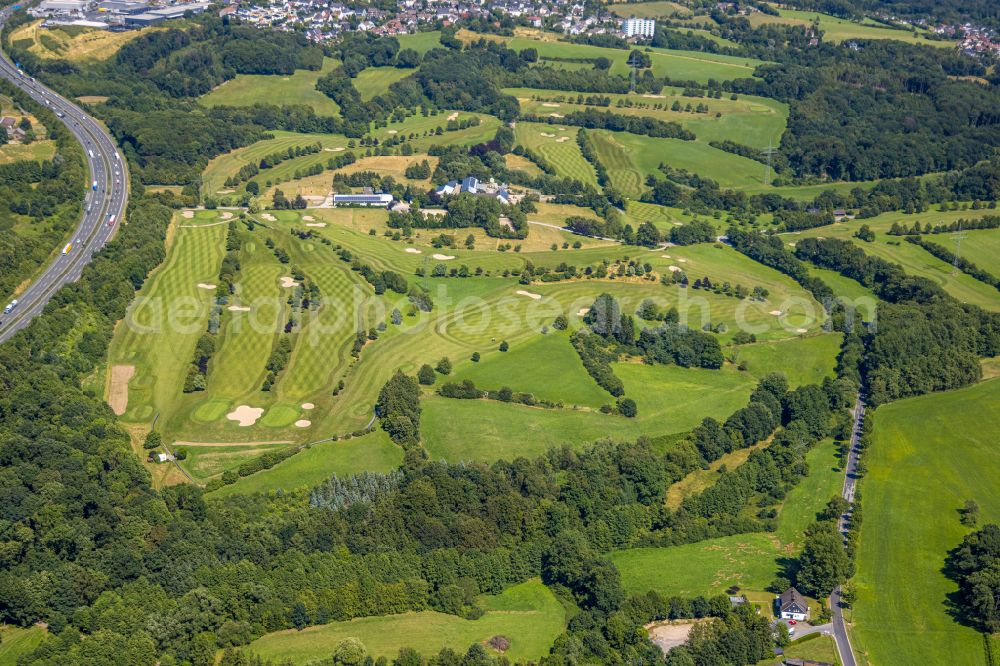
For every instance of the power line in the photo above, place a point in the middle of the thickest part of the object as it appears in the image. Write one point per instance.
(769, 152)
(958, 248)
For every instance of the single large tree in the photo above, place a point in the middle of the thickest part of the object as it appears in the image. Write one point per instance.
(823, 564)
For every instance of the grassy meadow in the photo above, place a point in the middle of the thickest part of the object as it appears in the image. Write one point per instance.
(17, 641)
(838, 30)
(681, 65)
(656, 9)
(753, 121)
(528, 614)
(376, 80)
(928, 456)
(299, 88)
(749, 560)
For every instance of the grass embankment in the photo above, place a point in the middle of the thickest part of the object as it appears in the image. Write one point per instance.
(70, 42)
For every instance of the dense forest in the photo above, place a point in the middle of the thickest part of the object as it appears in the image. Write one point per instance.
(39, 201)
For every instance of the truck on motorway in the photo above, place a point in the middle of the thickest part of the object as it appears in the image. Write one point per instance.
(66, 250)
(93, 186)
(111, 221)
(91, 154)
(10, 306)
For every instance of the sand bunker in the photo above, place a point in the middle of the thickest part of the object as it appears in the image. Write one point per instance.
(647, 95)
(308, 218)
(412, 250)
(547, 135)
(443, 257)
(555, 115)
(776, 313)
(522, 292)
(307, 405)
(316, 224)
(674, 269)
(288, 282)
(801, 330)
(338, 149)
(225, 215)
(393, 132)
(551, 105)
(269, 217)
(665, 256)
(238, 308)
(453, 116)
(303, 423)
(204, 285)
(245, 415)
(683, 261)
(582, 311)
(187, 214)
(562, 138)
(118, 394)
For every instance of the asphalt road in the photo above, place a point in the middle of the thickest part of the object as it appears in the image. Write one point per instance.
(107, 168)
(850, 480)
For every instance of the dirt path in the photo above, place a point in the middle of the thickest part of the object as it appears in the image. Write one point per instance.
(118, 393)
(186, 444)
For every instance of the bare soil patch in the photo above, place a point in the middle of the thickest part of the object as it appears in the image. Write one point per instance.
(118, 393)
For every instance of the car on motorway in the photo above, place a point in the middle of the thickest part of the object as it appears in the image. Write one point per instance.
(10, 306)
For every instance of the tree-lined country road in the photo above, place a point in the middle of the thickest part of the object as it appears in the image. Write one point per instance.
(850, 481)
(103, 206)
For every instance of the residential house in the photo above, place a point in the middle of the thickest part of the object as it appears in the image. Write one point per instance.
(793, 606)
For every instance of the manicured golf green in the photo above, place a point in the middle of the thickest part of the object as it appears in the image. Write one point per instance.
(164, 323)
(557, 146)
(528, 614)
(928, 456)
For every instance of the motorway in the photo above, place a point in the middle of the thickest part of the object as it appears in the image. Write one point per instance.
(107, 168)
